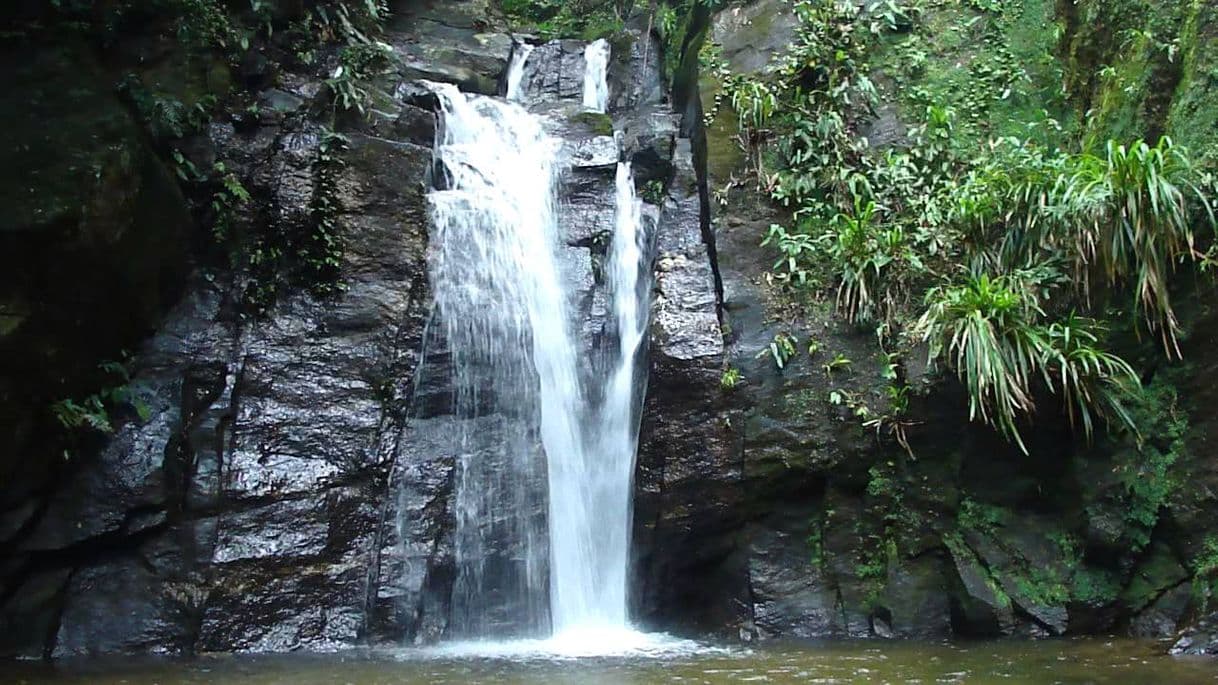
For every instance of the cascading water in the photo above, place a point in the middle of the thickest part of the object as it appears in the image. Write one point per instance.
(499, 299)
(515, 371)
(596, 82)
(590, 491)
(619, 424)
(515, 75)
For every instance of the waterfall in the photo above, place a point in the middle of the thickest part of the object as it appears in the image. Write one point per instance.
(590, 502)
(545, 466)
(596, 75)
(494, 273)
(618, 429)
(520, 56)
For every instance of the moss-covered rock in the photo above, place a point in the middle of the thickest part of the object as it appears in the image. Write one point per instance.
(595, 123)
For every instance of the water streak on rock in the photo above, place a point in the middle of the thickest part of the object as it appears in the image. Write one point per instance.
(596, 74)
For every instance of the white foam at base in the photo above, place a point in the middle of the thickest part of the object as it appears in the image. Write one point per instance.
(585, 642)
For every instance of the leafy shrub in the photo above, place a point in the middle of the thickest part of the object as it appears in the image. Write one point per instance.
(357, 63)
(1125, 218)
(165, 117)
(730, 379)
(654, 193)
(782, 349)
(587, 19)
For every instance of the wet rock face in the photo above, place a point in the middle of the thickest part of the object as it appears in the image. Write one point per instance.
(555, 72)
(244, 513)
(752, 34)
(247, 507)
(450, 42)
(292, 486)
(1200, 639)
(688, 478)
(635, 71)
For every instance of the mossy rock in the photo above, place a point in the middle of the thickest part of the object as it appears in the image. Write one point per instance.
(723, 154)
(751, 35)
(1158, 571)
(597, 123)
(1193, 118)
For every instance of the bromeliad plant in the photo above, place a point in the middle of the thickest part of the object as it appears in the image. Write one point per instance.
(992, 332)
(1125, 218)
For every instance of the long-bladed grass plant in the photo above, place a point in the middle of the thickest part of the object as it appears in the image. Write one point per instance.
(1008, 206)
(985, 330)
(989, 331)
(1131, 215)
(858, 254)
(1086, 375)
(1125, 217)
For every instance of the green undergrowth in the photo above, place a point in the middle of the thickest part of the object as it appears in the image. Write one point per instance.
(1010, 244)
(1205, 575)
(992, 64)
(118, 398)
(584, 19)
(1146, 470)
(1039, 213)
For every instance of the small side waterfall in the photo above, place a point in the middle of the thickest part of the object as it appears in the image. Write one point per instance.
(596, 85)
(590, 501)
(628, 272)
(515, 74)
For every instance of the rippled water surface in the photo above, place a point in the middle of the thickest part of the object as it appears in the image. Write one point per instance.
(1013, 662)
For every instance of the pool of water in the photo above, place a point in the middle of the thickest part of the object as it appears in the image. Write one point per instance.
(1063, 661)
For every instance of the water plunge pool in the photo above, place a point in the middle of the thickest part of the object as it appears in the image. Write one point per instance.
(661, 660)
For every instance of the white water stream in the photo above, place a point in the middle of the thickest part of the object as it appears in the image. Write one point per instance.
(494, 274)
(515, 74)
(596, 75)
(516, 370)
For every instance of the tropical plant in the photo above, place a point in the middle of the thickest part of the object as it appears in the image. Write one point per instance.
(1086, 375)
(730, 379)
(838, 363)
(1125, 218)
(654, 193)
(984, 329)
(1134, 210)
(93, 413)
(797, 250)
(358, 63)
(228, 197)
(892, 15)
(989, 331)
(782, 349)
